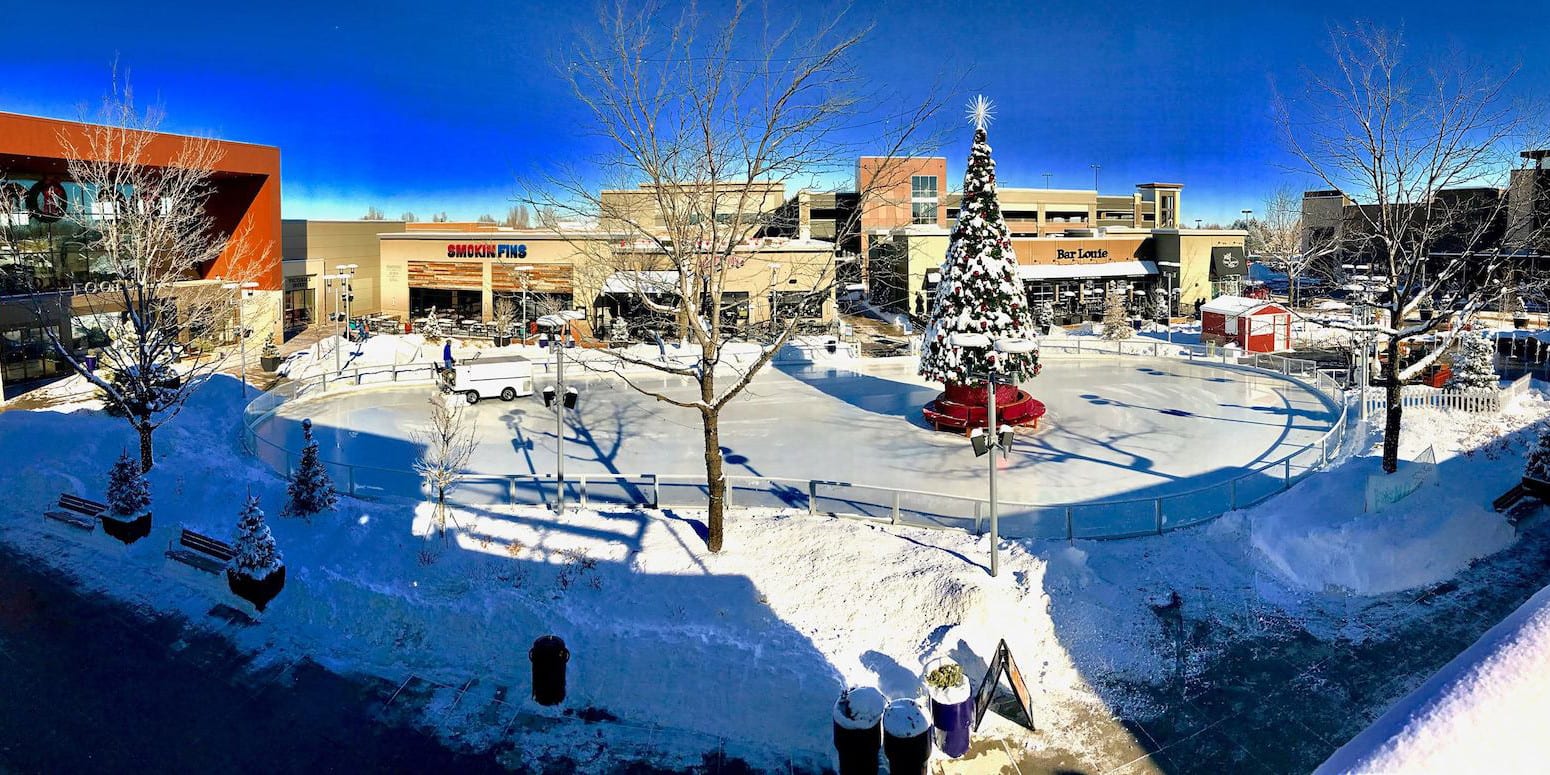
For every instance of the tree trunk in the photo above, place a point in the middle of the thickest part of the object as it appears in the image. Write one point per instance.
(1394, 409)
(146, 457)
(715, 478)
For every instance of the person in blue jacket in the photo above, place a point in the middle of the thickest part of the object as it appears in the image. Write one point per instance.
(446, 353)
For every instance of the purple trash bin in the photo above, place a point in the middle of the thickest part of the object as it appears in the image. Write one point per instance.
(952, 710)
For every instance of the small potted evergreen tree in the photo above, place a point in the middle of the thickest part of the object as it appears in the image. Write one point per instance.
(269, 357)
(257, 572)
(128, 517)
(1519, 313)
(1044, 316)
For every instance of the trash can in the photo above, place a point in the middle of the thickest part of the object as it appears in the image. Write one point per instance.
(906, 737)
(858, 730)
(549, 656)
(91, 363)
(952, 707)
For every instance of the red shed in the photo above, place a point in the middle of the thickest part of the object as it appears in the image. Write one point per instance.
(1255, 325)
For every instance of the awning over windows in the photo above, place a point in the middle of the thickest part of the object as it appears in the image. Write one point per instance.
(651, 282)
(1086, 271)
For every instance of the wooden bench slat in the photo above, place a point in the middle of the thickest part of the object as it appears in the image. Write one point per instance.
(203, 552)
(81, 505)
(202, 562)
(73, 520)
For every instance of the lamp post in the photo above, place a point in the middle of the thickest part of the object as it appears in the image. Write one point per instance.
(242, 330)
(1365, 315)
(330, 282)
(1047, 176)
(1095, 167)
(1168, 281)
(774, 318)
(993, 438)
(558, 323)
(347, 294)
(521, 272)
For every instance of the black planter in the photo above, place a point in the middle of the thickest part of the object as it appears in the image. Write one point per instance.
(256, 591)
(1426, 314)
(268, 363)
(1520, 322)
(126, 529)
(502, 341)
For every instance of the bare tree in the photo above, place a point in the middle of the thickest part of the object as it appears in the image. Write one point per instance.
(149, 234)
(449, 438)
(517, 217)
(440, 217)
(374, 213)
(1427, 148)
(408, 217)
(1281, 237)
(487, 218)
(712, 121)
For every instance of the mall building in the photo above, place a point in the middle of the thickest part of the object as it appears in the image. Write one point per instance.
(46, 272)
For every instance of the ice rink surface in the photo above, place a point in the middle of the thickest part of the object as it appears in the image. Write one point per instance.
(1116, 428)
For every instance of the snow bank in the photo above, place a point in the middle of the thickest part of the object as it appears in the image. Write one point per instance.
(1482, 712)
(1319, 537)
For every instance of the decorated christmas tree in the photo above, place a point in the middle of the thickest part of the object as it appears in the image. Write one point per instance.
(310, 489)
(980, 292)
(129, 494)
(1474, 364)
(432, 329)
(256, 556)
(1116, 323)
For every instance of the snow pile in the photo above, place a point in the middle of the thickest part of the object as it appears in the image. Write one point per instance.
(1483, 712)
(859, 707)
(905, 718)
(1319, 538)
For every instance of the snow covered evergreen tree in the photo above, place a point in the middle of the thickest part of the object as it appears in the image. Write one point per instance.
(1116, 322)
(310, 490)
(432, 328)
(1045, 316)
(980, 292)
(1474, 364)
(1160, 308)
(129, 494)
(1538, 464)
(256, 556)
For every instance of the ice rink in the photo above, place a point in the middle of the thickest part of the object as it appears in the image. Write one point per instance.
(1130, 427)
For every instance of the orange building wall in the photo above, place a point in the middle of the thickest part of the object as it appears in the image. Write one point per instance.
(888, 205)
(247, 183)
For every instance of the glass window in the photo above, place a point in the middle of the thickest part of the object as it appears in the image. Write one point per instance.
(923, 187)
(923, 212)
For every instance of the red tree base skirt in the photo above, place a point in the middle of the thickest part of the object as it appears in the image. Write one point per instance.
(963, 406)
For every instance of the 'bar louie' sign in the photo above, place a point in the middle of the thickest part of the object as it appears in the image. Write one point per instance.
(486, 250)
(1081, 255)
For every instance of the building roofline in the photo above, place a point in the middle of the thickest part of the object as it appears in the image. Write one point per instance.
(51, 120)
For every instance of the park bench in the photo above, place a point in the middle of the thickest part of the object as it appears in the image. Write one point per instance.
(200, 551)
(77, 512)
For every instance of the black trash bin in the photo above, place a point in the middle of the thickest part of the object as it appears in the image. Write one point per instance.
(549, 656)
(906, 737)
(858, 733)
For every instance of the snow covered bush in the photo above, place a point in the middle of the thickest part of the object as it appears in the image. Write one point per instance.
(980, 292)
(129, 494)
(256, 556)
(1474, 364)
(310, 489)
(1116, 323)
(432, 329)
(1538, 463)
(1045, 316)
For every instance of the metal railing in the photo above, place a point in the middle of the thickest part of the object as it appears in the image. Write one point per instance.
(1116, 518)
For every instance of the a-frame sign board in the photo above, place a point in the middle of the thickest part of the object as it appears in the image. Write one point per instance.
(1003, 663)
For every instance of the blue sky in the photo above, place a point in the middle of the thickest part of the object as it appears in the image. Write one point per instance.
(442, 106)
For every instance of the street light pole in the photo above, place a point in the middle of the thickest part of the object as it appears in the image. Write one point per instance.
(558, 323)
(995, 441)
(774, 318)
(242, 331)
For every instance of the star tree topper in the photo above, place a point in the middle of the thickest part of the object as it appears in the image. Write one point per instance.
(980, 112)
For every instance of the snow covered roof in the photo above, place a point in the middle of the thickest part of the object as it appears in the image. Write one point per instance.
(644, 281)
(1236, 306)
(1082, 271)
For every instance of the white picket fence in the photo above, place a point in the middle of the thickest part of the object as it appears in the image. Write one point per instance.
(1421, 396)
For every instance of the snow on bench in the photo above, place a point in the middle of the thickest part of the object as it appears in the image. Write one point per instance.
(200, 551)
(77, 512)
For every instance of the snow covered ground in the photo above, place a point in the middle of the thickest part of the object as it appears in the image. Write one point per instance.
(749, 647)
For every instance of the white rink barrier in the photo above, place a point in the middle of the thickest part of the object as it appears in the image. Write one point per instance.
(1122, 518)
